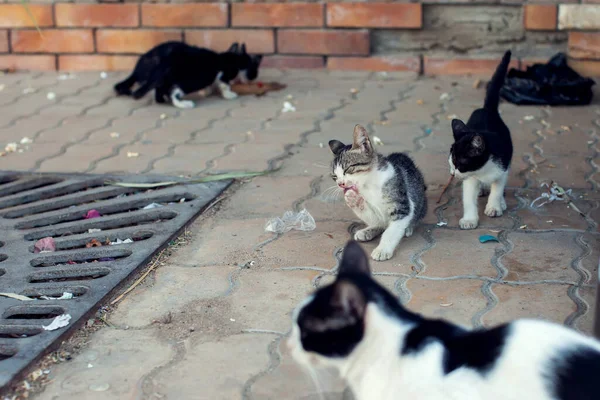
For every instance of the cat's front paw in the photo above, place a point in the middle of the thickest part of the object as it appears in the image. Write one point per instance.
(229, 95)
(382, 254)
(466, 223)
(408, 232)
(367, 234)
(494, 210)
(184, 104)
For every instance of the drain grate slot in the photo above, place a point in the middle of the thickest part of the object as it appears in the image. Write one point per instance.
(45, 192)
(112, 222)
(21, 185)
(89, 261)
(86, 197)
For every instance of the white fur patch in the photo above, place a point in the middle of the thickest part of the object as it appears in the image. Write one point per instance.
(176, 99)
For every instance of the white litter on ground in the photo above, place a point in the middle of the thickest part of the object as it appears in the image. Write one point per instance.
(59, 322)
(51, 96)
(300, 221)
(65, 296)
(288, 107)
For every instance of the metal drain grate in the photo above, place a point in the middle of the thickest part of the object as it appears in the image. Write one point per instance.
(37, 206)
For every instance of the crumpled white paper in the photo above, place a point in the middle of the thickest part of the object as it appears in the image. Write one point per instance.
(59, 322)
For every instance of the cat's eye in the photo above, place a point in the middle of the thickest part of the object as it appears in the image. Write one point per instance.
(350, 170)
(334, 177)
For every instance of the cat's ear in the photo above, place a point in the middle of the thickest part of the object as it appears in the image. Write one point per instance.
(348, 298)
(458, 128)
(361, 140)
(243, 49)
(336, 146)
(233, 48)
(478, 144)
(354, 260)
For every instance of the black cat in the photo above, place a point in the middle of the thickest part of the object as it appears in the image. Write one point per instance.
(482, 152)
(175, 69)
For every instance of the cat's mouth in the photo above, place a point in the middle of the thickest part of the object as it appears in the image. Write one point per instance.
(351, 187)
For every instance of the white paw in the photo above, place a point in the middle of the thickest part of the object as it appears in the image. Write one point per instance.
(367, 234)
(503, 204)
(408, 232)
(184, 104)
(229, 95)
(382, 254)
(494, 210)
(468, 223)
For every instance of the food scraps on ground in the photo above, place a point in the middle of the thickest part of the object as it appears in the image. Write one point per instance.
(288, 107)
(256, 88)
(92, 214)
(93, 243)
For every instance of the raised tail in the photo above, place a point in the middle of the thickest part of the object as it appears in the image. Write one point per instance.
(492, 97)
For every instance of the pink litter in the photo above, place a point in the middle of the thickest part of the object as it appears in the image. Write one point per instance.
(92, 214)
(45, 245)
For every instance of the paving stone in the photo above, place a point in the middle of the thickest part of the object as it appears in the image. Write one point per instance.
(265, 300)
(72, 129)
(29, 159)
(119, 359)
(78, 157)
(262, 197)
(451, 250)
(585, 323)
(455, 300)
(189, 159)
(290, 381)
(551, 259)
(235, 240)
(126, 160)
(218, 379)
(248, 157)
(322, 242)
(548, 302)
(172, 289)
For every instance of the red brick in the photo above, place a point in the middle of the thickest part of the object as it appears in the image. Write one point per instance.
(16, 16)
(258, 41)
(185, 15)
(586, 67)
(52, 41)
(540, 17)
(335, 42)
(97, 15)
(28, 62)
(465, 66)
(375, 15)
(96, 62)
(584, 45)
(132, 41)
(271, 15)
(291, 62)
(376, 63)
(3, 41)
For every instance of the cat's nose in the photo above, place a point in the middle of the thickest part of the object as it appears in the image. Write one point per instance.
(342, 185)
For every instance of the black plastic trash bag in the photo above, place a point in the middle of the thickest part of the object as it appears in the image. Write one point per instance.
(552, 84)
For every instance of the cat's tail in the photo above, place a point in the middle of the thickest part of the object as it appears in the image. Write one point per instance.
(492, 97)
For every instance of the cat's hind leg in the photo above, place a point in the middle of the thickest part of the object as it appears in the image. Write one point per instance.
(470, 218)
(177, 99)
(390, 239)
(123, 88)
(496, 203)
(160, 95)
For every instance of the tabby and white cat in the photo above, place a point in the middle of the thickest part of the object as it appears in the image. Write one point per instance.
(386, 192)
(385, 352)
(482, 152)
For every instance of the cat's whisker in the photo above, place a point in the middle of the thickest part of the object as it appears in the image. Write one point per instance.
(315, 378)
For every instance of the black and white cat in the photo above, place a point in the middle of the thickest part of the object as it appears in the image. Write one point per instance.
(175, 69)
(482, 152)
(385, 352)
(386, 192)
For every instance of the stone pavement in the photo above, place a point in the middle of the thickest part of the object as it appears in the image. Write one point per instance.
(203, 326)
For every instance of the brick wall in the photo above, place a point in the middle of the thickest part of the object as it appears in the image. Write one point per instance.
(437, 37)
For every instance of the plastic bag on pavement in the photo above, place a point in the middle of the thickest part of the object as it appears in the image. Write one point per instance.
(300, 221)
(554, 83)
